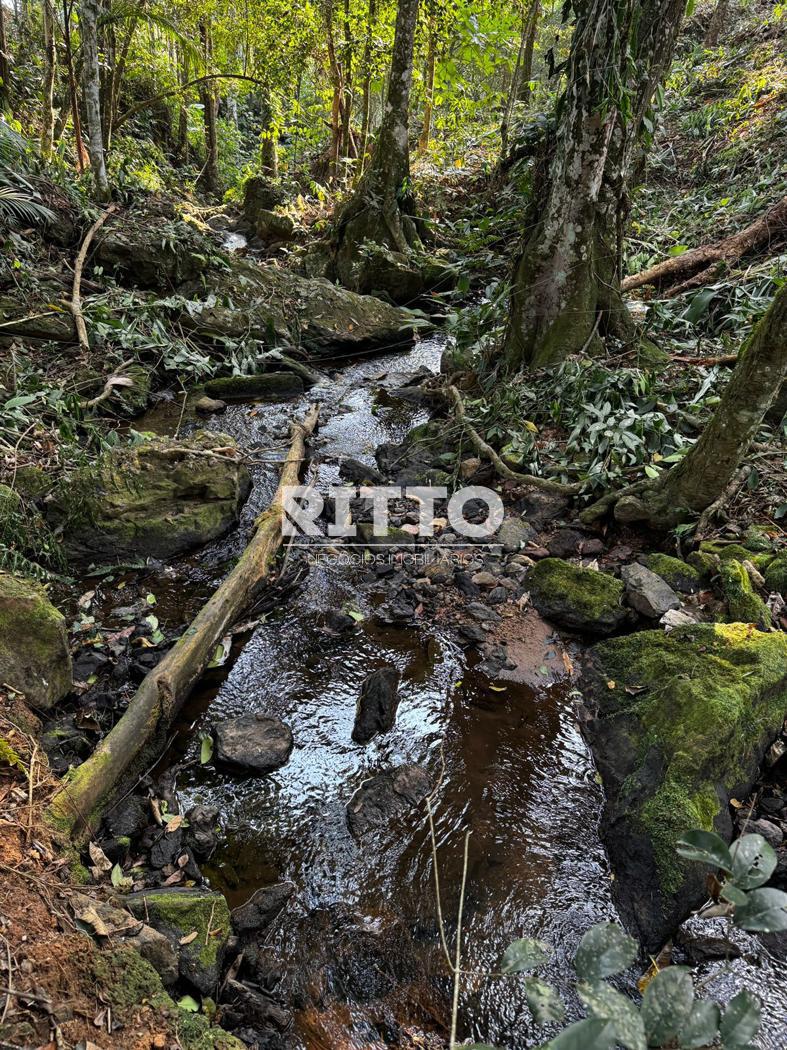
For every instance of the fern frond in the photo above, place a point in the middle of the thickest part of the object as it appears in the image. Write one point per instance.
(17, 564)
(19, 207)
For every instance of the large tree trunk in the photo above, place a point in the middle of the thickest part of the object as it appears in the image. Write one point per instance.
(431, 56)
(210, 105)
(92, 86)
(50, 68)
(366, 103)
(566, 288)
(5, 64)
(526, 69)
(347, 89)
(381, 210)
(703, 474)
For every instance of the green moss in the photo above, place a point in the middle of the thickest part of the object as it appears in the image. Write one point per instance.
(183, 911)
(41, 669)
(705, 697)
(736, 552)
(272, 385)
(678, 574)
(743, 604)
(8, 756)
(592, 596)
(776, 574)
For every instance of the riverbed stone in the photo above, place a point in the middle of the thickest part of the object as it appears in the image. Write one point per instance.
(677, 574)
(581, 599)
(678, 724)
(34, 653)
(377, 704)
(262, 907)
(648, 593)
(385, 797)
(253, 743)
(156, 499)
(178, 913)
(513, 534)
(266, 386)
(208, 406)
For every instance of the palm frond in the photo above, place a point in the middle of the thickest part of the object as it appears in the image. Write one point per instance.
(20, 207)
(12, 145)
(122, 12)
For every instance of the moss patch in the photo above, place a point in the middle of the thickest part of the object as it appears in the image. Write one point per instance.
(41, 667)
(676, 573)
(575, 597)
(776, 574)
(743, 604)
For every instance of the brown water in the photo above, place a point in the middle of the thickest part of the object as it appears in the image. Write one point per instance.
(511, 765)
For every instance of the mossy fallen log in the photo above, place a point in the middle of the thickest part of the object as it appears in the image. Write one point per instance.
(78, 805)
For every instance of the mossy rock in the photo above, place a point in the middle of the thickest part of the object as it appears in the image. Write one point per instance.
(676, 573)
(34, 653)
(33, 482)
(374, 269)
(736, 552)
(272, 226)
(178, 913)
(581, 599)
(267, 386)
(776, 574)
(153, 250)
(678, 724)
(744, 606)
(156, 499)
(129, 401)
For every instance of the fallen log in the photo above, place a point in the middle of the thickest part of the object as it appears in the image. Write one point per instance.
(77, 807)
(700, 265)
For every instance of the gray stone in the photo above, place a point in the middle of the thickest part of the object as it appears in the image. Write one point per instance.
(513, 534)
(382, 799)
(648, 593)
(771, 832)
(262, 907)
(377, 704)
(207, 406)
(253, 743)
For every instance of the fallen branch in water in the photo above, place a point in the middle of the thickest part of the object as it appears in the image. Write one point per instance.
(77, 807)
(76, 290)
(485, 449)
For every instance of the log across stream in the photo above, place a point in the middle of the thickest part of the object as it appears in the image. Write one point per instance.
(516, 772)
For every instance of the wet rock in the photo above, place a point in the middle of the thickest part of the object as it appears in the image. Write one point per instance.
(581, 599)
(678, 724)
(258, 1008)
(570, 543)
(648, 593)
(676, 574)
(253, 743)
(472, 633)
(702, 948)
(267, 386)
(385, 797)
(466, 585)
(339, 623)
(262, 907)
(377, 704)
(34, 653)
(128, 818)
(157, 499)
(359, 473)
(208, 406)
(203, 829)
(771, 832)
(166, 847)
(513, 534)
(178, 913)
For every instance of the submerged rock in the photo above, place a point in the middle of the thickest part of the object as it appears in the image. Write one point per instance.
(648, 593)
(34, 654)
(582, 599)
(377, 704)
(253, 743)
(156, 499)
(678, 724)
(179, 913)
(383, 798)
(262, 907)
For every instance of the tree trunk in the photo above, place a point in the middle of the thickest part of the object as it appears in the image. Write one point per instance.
(347, 90)
(704, 473)
(92, 88)
(336, 105)
(526, 70)
(366, 104)
(566, 288)
(116, 76)
(182, 141)
(382, 209)
(716, 24)
(73, 91)
(269, 152)
(505, 124)
(431, 55)
(210, 173)
(50, 68)
(5, 65)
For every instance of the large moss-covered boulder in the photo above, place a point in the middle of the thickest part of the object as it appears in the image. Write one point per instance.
(155, 499)
(377, 270)
(34, 653)
(776, 574)
(154, 249)
(678, 724)
(277, 307)
(179, 913)
(578, 598)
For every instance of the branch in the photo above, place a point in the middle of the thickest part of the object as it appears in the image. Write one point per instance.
(76, 292)
(139, 106)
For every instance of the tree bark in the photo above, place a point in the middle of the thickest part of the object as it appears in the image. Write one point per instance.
(77, 807)
(73, 91)
(716, 24)
(269, 151)
(210, 172)
(182, 139)
(5, 65)
(381, 210)
(701, 265)
(50, 69)
(431, 57)
(347, 88)
(704, 473)
(566, 287)
(92, 87)
(526, 70)
(366, 103)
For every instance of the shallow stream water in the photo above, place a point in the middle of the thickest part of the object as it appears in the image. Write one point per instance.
(511, 765)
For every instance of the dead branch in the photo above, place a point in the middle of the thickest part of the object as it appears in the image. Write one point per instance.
(77, 807)
(76, 291)
(700, 265)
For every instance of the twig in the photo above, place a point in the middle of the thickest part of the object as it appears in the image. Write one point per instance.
(76, 291)
(724, 359)
(9, 991)
(31, 784)
(458, 957)
(438, 895)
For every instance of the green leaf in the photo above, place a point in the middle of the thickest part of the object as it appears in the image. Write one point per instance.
(357, 616)
(119, 880)
(524, 954)
(609, 1005)
(702, 1027)
(652, 472)
(150, 599)
(732, 893)
(667, 1004)
(753, 861)
(698, 306)
(603, 951)
(741, 1020)
(544, 1002)
(765, 911)
(206, 749)
(187, 1002)
(706, 847)
(590, 1034)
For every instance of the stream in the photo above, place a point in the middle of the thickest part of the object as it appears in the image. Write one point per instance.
(510, 764)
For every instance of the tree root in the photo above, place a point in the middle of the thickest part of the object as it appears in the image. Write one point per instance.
(710, 513)
(486, 450)
(700, 265)
(77, 807)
